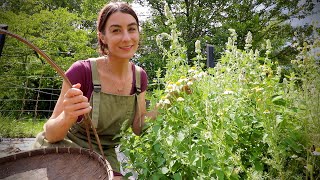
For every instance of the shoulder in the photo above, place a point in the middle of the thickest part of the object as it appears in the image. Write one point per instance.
(80, 72)
(79, 67)
(143, 77)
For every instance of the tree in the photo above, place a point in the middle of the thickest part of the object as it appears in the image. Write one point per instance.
(209, 22)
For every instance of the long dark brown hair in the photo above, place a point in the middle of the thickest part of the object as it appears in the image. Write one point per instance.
(104, 15)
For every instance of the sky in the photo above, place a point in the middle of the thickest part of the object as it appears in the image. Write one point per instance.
(308, 20)
(142, 11)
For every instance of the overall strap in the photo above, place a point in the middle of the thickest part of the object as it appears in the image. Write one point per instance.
(96, 93)
(138, 78)
(138, 87)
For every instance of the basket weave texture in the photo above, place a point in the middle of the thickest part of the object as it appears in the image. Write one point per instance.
(55, 163)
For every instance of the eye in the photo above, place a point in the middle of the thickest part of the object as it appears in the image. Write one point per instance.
(132, 29)
(115, 30)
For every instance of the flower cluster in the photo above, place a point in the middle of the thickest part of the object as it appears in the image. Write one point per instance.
(173, 89)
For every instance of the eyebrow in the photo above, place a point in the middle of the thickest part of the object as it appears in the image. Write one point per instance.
(131, 24)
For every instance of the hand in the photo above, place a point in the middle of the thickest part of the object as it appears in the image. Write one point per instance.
(75, 103)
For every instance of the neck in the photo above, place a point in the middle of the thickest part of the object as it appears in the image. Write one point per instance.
(118, 67)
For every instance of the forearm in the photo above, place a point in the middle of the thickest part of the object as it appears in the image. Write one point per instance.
(56, 128)
(137, 125)
(139, 122)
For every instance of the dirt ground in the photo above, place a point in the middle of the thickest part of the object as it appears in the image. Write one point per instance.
(14, 145)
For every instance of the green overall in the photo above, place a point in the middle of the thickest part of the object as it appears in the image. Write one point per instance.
(109, 113)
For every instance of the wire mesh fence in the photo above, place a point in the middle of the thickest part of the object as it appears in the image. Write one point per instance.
(29, 88)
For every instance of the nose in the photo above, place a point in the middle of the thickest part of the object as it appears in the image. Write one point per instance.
(126, 36)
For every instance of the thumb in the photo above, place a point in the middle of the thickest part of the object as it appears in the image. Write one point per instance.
(78, 85)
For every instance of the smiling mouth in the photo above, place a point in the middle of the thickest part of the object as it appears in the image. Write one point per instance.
(126, 47)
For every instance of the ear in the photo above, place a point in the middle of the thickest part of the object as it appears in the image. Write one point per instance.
(102, 37)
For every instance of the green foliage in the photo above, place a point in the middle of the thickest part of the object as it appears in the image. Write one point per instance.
(11, 128)
(239, 122)
(209, 21)
(57, 31)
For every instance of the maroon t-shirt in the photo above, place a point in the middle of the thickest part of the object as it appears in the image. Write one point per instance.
(80, 72)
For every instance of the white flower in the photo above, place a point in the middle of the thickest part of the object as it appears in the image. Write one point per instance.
(266, 112)
(182, 80)
(166, 101)
(170, 140)
(176, 88)
(192, 70)
(228, 92)
(169, 88)
(189, 83)
(180, 99)
(164, 170)
(181, 136)
(163, 102)
(316, 153)
(202, 74)
(198, 47)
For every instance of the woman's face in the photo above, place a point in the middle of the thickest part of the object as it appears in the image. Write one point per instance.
(121, 35)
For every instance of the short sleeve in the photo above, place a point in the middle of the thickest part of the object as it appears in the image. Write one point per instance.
(80, 72)
(144, 80)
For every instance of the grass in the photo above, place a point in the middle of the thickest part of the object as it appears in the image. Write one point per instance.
(11, 128)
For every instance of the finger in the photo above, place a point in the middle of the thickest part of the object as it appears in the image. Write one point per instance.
(78, 112)
(76, 106)
(75, 100)
(73, 92)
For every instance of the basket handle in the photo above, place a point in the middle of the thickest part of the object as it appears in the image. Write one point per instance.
(87, 118)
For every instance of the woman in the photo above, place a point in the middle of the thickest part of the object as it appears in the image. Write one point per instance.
(112, 86)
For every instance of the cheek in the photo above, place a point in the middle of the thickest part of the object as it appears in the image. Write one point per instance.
(137, 38)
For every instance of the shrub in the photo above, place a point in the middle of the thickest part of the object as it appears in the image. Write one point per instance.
(242, 120)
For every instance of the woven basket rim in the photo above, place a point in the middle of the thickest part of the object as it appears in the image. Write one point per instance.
(59, 150)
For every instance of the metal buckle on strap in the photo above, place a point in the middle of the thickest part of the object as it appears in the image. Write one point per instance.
(138, 90)
(96, 87)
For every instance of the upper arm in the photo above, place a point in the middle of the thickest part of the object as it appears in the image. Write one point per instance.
(139, 115)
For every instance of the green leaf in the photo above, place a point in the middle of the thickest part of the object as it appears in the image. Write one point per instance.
(160, 161)
(157, 147)
(175, 167)
(278, 100)
(155, 177)
(220, 174)
(156, 128)
(177, 176)
(128, 174)
(279, 119)
(258, 166)
(309, 167)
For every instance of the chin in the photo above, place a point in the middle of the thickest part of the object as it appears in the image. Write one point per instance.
(125, 57)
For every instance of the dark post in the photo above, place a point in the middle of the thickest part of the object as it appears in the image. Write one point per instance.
(2, 37)
(210, 58)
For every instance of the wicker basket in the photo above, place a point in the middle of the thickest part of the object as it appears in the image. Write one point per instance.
(55, 163)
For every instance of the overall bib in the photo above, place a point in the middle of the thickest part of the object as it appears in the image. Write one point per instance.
(108, 115)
